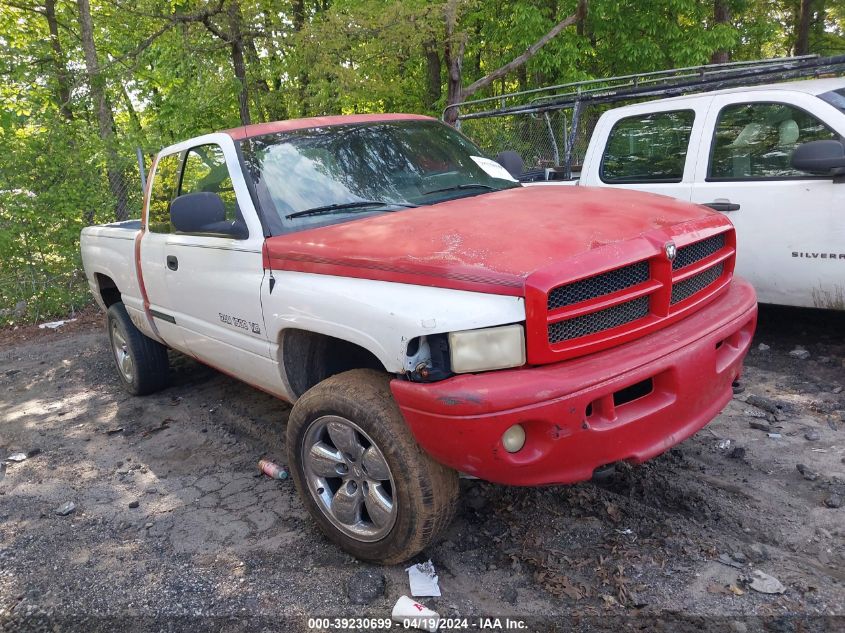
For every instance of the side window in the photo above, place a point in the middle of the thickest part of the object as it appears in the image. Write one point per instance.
(162, 193)
(648, 148)
(756, 140)
(205, 170)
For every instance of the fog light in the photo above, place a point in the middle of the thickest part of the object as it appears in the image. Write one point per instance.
(514, 438)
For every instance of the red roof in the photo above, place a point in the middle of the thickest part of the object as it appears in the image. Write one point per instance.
(248, 131)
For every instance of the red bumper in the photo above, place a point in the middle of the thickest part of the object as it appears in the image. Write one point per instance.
(632, 402)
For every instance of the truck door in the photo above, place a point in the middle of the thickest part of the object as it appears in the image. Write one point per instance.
(165, 177)
(215, 281)
(790, 224)
(647, 149)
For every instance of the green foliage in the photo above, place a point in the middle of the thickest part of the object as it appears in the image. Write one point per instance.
(169, 72)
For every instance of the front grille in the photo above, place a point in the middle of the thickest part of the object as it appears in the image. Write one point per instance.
(699, 250)
(599, 285)
(637, 296)
(598, 321)
(688, 287)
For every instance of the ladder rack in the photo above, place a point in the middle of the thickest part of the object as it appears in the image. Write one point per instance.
(658, 84)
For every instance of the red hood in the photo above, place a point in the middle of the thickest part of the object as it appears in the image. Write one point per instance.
(493, 242)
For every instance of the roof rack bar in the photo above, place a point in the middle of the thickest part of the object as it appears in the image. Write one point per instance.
(648, 85)
(634, 76)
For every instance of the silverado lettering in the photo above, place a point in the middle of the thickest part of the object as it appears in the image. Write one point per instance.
(820, 255)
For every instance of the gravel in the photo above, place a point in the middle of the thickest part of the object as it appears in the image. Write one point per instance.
(365, 586)
(217, 547)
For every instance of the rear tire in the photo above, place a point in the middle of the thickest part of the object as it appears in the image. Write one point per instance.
(141, 362)
(372, 490)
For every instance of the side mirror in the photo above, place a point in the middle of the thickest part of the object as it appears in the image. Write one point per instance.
(820, 157)
(204, 212)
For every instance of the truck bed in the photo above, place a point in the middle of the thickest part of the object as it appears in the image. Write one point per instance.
(108, 255)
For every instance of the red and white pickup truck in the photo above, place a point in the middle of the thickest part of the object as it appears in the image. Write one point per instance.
(426, 315)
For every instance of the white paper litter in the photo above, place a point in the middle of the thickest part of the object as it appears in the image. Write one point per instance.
(411, 614)
(16, 457)
(423, 580)
(53, 325)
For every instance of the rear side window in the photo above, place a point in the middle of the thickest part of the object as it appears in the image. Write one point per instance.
(205, 170)
(162, 193)
(755, 141)
(648, 148)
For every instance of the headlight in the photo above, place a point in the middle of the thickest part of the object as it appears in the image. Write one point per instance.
(490, 348)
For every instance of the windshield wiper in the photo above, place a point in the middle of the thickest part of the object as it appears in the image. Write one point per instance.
(346, 206)
(471, 185)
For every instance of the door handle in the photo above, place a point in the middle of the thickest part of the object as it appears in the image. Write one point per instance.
(722, 204)
(172, 262)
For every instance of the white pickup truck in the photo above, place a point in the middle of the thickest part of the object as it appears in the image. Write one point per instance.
(770, 157)
(426, 314)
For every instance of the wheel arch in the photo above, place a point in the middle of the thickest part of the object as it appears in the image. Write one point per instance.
(108, 290)
(306, 358)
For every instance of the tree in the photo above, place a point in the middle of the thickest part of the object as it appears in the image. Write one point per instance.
(802, 28)
(105, 117)
(87, 81)
(456, 47)
(721, 16)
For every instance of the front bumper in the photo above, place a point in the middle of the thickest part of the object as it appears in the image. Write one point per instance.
(632, 402)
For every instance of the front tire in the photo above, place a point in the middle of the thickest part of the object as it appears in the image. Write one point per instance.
(372, 490)
(141, 362)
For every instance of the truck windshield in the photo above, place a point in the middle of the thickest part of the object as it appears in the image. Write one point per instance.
(836, 98)
(326, 175)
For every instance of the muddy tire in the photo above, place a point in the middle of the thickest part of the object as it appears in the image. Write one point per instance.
(365, 481)
(141, 362)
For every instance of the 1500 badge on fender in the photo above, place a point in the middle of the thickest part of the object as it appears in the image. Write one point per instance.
(243, 324)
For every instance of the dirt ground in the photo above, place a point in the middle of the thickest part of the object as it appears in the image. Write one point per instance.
(173, 529)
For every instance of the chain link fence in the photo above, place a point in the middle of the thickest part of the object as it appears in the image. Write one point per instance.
(36, 296)
(542, 139)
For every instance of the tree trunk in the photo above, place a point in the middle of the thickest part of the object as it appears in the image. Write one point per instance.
(62, 78)
(236, 43)
(105, 118)
(434, 87)
(262, 86)
(453, 54)
(298, 19)
(802, 34)
(721, 15)
(581, 25)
